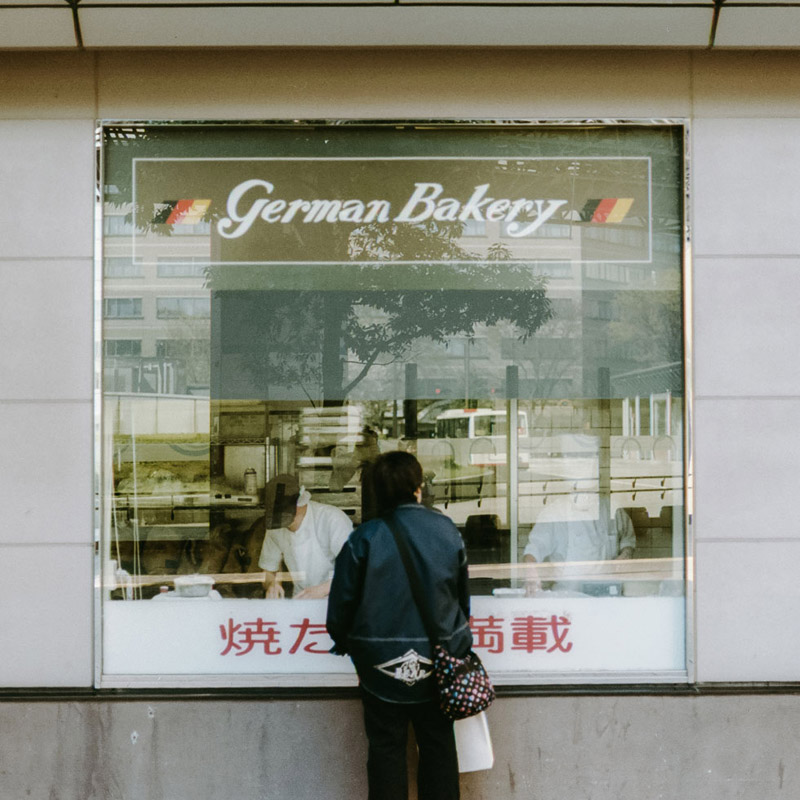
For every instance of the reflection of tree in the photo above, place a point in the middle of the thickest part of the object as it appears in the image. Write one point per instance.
(188, 345)
(649, 327)
(553, 355)
(306, 337)
(392, 241)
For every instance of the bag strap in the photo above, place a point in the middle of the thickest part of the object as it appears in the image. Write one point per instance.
(413, 579)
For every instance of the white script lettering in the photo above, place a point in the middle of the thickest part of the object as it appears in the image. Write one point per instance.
(238, 222)
(252, 200)
(425, 203)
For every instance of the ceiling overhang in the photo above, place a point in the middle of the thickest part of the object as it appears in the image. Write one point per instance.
(82, 24)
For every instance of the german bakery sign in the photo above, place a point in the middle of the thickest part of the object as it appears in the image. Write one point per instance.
(307, 211)
(253, 199)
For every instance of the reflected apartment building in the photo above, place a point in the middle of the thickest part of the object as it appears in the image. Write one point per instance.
(156, 315)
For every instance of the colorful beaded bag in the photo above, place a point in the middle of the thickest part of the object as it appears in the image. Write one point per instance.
(464, 687)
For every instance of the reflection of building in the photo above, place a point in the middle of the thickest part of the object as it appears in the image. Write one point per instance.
(592, 300)
(156, 313)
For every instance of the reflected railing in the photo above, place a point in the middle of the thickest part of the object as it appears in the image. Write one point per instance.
(625, 571)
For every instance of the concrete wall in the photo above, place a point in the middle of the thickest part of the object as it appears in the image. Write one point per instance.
(548, 748)
(744, 110)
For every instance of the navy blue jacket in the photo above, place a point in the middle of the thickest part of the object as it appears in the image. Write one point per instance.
(372, 615)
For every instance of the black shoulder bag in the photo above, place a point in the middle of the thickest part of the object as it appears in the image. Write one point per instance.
(464, 687)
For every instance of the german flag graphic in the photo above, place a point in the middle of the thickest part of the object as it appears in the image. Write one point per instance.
(608, 209)
(180, 212)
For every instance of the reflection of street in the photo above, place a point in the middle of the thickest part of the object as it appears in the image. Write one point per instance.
(651, 485)
(473, 486)
(647, 570)
(641, 572)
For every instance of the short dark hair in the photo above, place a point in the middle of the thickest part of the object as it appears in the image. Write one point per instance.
(396, 476)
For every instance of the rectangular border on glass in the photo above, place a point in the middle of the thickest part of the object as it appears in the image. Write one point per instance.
(647, 160)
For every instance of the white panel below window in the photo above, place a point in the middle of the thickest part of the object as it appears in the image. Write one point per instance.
(266, 639)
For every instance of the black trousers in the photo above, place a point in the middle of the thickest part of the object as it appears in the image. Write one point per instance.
(387, 735)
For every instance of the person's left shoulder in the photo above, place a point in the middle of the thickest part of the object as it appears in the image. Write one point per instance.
(331, 514)
(428, 517)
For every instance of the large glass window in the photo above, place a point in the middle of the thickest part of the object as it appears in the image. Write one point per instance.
(504, 301)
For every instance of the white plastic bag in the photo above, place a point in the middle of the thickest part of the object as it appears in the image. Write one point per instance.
(473, 743)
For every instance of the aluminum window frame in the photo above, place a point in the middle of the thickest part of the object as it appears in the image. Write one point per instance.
(590, 681)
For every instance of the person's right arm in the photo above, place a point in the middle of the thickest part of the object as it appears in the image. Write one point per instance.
(272, 586)
(270, 561)
(541, 544)
(532, 583)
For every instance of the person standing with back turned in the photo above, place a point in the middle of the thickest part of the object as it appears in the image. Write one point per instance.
(373, 618)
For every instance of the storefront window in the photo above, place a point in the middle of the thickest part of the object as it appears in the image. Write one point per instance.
(308, 296)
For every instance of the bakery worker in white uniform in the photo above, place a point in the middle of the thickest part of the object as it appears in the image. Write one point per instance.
(578, 527)
(305, 534)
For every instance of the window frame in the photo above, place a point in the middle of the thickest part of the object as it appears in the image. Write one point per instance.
(588, 682)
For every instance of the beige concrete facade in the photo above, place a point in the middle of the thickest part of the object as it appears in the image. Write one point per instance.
(743, 112)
